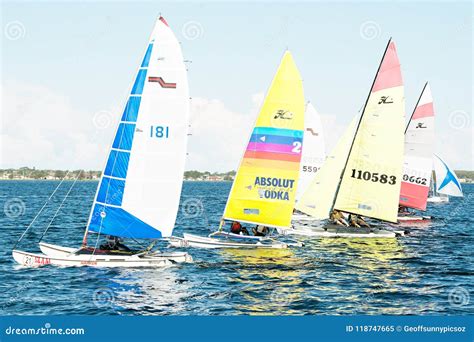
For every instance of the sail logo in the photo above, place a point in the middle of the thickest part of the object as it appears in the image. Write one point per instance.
(275, 182)
(162, 82)
(313, 133)
(283, 114)
(420, 125)
(274, 188)
(385, 100)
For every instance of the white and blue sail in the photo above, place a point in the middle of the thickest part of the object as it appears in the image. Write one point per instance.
(446, 181)
(139, 192)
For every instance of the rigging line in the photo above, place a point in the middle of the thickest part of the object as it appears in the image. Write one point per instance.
(60, 206)
(40, 211)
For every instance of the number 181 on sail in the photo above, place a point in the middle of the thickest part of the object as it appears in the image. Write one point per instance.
(159, 132)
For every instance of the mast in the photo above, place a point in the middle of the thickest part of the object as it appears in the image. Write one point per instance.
(357, 129)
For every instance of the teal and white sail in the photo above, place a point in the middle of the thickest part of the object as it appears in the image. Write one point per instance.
(139, 192)
(446, 181)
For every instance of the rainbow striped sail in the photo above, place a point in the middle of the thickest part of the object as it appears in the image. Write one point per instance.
(264, 188)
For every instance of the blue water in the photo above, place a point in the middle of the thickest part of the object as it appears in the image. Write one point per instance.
(429, 272)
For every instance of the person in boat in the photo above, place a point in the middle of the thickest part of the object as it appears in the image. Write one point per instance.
(357, 221)
(113, 243)
(260, 230)
(337, 218)
(402, 210)
(237, 228)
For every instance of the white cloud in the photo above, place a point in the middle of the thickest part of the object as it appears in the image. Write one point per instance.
(219, 135)
(41, 128)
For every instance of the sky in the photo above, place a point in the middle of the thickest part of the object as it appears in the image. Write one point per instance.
(66, 68)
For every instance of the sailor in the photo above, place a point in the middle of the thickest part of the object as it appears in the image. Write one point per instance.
(402, 210)
(357, 221)
(113, 244)
(260, 230)
(337, 218)
(237, 228)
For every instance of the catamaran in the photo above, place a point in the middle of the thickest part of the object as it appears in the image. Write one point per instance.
(139, 191)
(313, 157)
(449, 186)
(417, 166)
(264, 189)
(362, 176)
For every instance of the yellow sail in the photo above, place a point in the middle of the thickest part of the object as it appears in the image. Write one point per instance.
(318, 198)
(265, 185)
(370, 185)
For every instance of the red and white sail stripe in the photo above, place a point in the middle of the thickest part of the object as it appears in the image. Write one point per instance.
(419, 143)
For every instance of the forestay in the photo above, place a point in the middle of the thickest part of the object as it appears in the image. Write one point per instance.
(419, 144)
(264, 189)
(139, 191)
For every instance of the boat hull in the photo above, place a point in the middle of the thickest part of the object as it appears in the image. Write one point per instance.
(55, 250)
(438, 199)
(74, 260)
(303, 218)
(196, 241)
(335, 231)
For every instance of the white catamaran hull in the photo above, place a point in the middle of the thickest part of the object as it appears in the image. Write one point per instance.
(190, 240)
(137, 260)
(302, 217)
(438, 199)
(55, 250)
(341, 232)
(413, 218)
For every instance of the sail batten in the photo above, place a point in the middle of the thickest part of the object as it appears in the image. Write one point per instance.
(139, 191)
(265, 184)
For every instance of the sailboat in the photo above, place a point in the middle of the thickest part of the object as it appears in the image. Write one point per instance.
(417, 166)
(139, 191)
(264, 189)
(313, 157)
(366, 180)
(445, 182)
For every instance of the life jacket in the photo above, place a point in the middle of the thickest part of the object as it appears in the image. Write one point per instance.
(236, 228)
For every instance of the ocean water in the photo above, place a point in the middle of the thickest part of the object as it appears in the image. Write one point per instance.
(426, 273)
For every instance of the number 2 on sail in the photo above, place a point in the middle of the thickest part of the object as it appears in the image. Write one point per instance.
(296, 147)
(159, 131)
